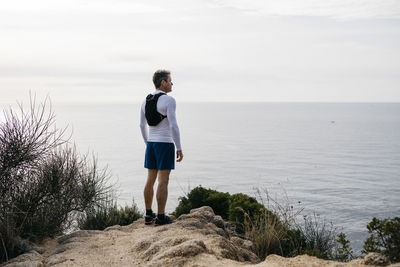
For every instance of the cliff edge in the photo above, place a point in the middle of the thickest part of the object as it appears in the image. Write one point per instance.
(197, 239)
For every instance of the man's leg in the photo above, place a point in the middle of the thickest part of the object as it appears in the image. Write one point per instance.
(162, 190)
(148, 188)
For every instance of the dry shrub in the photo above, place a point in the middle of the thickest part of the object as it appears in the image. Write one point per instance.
(266, 233)
(272, 231)
(108, 214)
(42, 179)
(279, 232)
(320, 237)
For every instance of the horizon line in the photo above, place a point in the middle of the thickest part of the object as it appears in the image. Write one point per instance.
(210, 101)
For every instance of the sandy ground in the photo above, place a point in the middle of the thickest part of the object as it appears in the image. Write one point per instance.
(197, 239)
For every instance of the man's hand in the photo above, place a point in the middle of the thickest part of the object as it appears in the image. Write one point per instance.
(179, 155)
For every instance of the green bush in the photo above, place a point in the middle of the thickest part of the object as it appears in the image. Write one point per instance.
(241, 204)
(109, 214)
(384, 238)
(293, 242)
(229, 207)
(201, 196)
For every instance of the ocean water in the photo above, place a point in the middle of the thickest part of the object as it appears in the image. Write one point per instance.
(339, 161)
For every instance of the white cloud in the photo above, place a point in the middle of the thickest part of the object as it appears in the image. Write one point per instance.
(68, 6)
(340, 9)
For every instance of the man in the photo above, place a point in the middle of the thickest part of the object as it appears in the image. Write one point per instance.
(160, 131)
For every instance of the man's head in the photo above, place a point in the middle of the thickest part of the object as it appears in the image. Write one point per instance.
(162, 80)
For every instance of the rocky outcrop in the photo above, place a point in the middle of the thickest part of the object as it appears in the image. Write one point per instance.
(376, 259)
(197, 239)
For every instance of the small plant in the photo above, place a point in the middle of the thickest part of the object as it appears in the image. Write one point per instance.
(344, 252)
(108, 214)
(384, 238)
(266, 233)
(319, 236)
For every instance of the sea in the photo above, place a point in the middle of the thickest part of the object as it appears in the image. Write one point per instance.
(337, 162)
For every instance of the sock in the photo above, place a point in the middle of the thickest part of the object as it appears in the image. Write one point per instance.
(161, 216)
(149, 212)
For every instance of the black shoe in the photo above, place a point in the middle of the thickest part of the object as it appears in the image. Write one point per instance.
(166, 220)
(149, 219)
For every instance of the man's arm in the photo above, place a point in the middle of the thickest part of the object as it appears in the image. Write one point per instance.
(173, 124)
(143, 124)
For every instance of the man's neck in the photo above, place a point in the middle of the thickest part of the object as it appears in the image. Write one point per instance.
(159, 89)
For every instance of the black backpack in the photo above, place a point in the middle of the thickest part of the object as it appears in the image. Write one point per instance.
(153, 117)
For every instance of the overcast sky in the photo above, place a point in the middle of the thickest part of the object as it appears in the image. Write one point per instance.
(217, 50)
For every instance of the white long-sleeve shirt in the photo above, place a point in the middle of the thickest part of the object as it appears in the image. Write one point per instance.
(167, 131)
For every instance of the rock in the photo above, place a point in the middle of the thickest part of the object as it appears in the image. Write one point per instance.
(247, 244)
(114, 227)
(143, 244)
(68, 246)
(55, 259)
(155, 247)
(29, 259)
(205, 211)
(218, 221)
(37, 249)
(188, 248)
(189, 223)
(25, 264)
(78, 234)
(376, 259)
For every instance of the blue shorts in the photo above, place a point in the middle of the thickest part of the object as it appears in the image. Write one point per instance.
(160, 156)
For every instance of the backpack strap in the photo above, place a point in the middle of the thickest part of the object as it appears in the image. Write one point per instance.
(155, 97)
